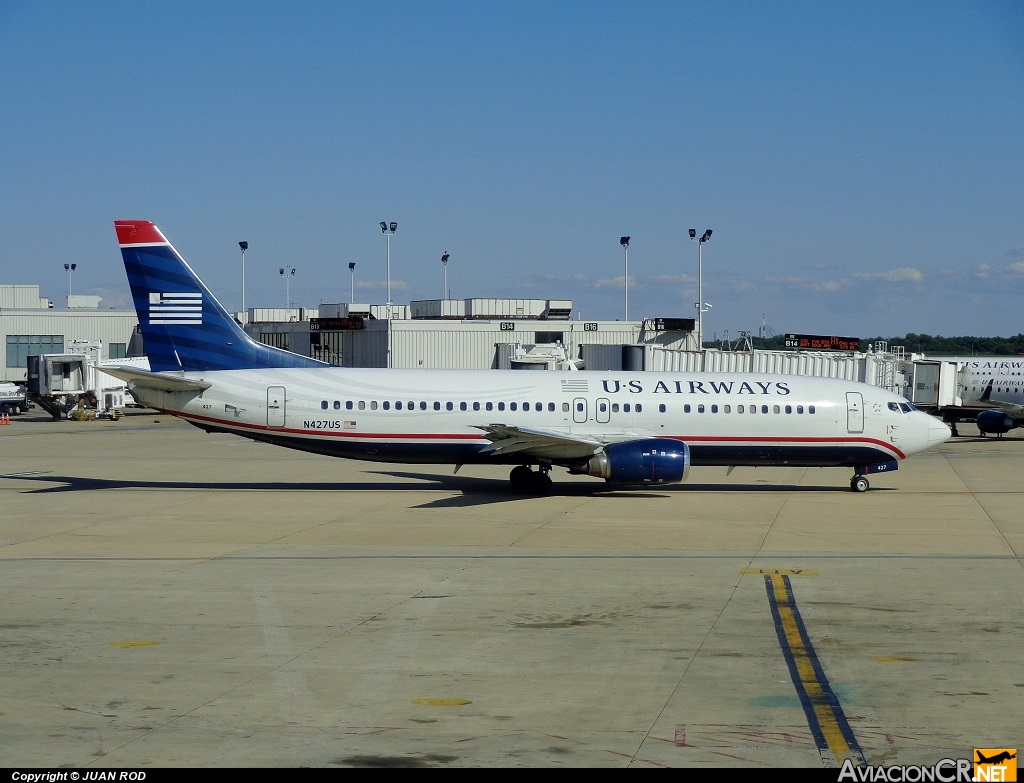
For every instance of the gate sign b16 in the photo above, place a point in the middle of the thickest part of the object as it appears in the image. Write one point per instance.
(817, 342)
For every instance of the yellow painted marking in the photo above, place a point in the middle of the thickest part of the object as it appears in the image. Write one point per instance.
(894, 659)
(801, 657)
(433, 701)
(780, 571)
(134, 643)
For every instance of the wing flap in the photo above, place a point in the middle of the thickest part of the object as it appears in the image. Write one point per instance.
(544, 444)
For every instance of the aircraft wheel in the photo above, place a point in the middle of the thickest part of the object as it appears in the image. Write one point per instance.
(521, 478)
(540, 483)
(859, 484)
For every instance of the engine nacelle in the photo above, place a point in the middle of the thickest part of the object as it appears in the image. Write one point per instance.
(995, 421)
(651, 461)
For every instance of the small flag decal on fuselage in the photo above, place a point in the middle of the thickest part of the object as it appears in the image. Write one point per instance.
(175, 308)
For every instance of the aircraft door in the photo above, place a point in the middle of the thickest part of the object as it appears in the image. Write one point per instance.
(579, 410)
(603, 410)
(854, 412)
(275, 406)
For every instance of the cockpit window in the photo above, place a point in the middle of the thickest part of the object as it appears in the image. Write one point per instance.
(906, 407)
(894, 406)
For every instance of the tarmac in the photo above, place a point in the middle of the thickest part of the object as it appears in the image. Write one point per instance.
(173, 599)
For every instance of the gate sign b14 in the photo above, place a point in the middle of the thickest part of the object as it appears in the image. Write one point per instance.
(816, 342)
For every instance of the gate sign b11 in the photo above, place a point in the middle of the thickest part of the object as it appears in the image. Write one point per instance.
(817, 342)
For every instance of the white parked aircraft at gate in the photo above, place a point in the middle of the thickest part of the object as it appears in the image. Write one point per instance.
(997, 385)
(630, 428)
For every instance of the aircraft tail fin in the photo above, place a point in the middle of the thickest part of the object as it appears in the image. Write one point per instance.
(183, 325)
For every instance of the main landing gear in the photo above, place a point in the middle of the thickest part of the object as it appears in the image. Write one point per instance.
(859, 483)
(531, 482)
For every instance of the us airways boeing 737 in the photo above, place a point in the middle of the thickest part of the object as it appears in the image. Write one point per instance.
(629, 428)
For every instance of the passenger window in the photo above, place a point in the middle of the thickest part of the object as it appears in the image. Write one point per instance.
(362, 405)
(501, 406)
(386, 405)
(810, 409)
(373, 405)
(463, 406)
(337, 405)
(726, 409)
(626, 407)
(551, 407)
(323, 404)
(348, 405)
(603, 407)
(638, 407)
(476, 406)
(615, 407)
(799, 408)
(789, 409)
(739, 409)
(490, 406)
(565, 407)
(700, 407)
(511, 406)
(661, 408)
(714, 409)
(437, 405)
(449, 406)
(579, 407)
(398, 405)
(423, 406)
(776, 409)
(764, 409)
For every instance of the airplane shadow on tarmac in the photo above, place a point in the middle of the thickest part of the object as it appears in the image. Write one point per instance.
(472, 490)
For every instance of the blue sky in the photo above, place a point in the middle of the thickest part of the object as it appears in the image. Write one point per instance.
(861, 164)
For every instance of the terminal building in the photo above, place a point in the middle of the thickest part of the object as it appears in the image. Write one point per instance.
(523, 334)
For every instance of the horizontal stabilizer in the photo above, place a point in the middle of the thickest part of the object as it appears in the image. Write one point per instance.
(162, 381)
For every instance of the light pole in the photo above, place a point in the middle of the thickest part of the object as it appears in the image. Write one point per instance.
(244, 246)
(287, 275)
(624, 241)
(69, 268)
(388, 230)
(352, 272)
(444, 260)
(702, 306)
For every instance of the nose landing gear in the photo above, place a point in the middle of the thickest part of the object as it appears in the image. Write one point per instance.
(859, 483)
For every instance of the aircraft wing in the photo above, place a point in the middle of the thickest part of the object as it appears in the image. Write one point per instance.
(163, 381)
(546, 444)
(1009, 408)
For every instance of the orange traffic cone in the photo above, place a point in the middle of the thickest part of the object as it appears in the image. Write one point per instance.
(5, 419)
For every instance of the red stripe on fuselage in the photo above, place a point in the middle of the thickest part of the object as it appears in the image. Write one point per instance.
(451, 436)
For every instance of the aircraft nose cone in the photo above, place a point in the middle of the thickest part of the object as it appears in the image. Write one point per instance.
(938, 432)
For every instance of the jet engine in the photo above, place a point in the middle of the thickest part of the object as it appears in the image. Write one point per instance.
(995, 421)
(650, 461)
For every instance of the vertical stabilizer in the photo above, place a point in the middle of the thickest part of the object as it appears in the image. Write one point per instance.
(183, 325)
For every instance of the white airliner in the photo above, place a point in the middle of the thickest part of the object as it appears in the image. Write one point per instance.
(630, 428)
(997, 385)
